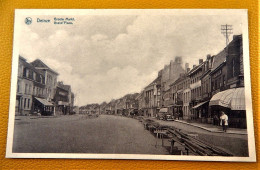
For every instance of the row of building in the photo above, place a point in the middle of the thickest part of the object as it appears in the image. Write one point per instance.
(196, 94)
(127, 105)
(201, 92)
(39, 92)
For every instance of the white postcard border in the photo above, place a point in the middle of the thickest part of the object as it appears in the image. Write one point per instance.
(247, 80)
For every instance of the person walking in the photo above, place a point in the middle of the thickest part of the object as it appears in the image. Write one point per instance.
(216, 120)
(224, 121)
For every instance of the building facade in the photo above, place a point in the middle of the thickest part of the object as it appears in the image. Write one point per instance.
(30, 84)
(36, 89)
(50, 79)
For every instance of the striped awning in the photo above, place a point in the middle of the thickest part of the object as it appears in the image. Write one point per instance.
(200, 104)
(231, 98)
(163, 110)
(44, 101)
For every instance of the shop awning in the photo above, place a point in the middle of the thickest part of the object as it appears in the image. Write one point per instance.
(200, 104)
(231, 98)
(175, 105)
(44, 101)
(63, 103)
(163, 110)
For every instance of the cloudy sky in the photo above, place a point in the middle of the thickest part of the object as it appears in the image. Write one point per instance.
(106, 57)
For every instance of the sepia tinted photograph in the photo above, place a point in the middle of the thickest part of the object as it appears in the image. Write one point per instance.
(159, 84)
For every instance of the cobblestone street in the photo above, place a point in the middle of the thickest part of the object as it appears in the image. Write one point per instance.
(77, 134)
(106, 134)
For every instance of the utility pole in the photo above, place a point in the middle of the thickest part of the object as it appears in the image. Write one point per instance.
(226, 30)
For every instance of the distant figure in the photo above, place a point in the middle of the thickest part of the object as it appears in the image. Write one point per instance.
(181, 115)
(224, 121)
(39, 112)
(216, 120)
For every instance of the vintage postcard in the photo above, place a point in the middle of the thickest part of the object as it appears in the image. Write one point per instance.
(158, 84)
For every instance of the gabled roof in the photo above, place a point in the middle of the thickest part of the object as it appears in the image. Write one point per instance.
(178, 80)
(205, 73)
(219, 66)
(196, 68)
(41, 65)
(154, 81)
(218, 59)
(30, 66)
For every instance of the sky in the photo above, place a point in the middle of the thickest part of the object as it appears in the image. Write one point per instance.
(105, 57)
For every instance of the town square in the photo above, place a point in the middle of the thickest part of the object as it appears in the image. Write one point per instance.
(169, 86)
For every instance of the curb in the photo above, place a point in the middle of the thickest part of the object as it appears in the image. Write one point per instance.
(201, 127)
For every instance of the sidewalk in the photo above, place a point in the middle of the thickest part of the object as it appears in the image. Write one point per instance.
(213, 128)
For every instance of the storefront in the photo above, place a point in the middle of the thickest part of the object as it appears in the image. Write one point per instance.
(176, 111)
(201, 110)
(232, 102)
(43, 107)
(64, 108)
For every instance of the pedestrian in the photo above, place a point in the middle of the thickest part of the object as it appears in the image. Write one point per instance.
(224, 121)
(216, 120)
(181, 115)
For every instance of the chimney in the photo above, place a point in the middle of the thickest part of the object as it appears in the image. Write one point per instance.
(208, 57)
(194, 66)
(186, 66)
(188, 70)
(211, 61)
(178, 60)
(200, 61)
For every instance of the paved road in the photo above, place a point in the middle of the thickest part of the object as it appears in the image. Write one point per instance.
(106, 134)
(77, 134)
(233, 143)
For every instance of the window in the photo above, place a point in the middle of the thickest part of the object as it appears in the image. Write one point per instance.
(34, 76)
(30, 86)
(24, 103)
(28, 104)
(41, 81)
(27, 73)
(25, 90)
(224, 81)
(18, 86)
